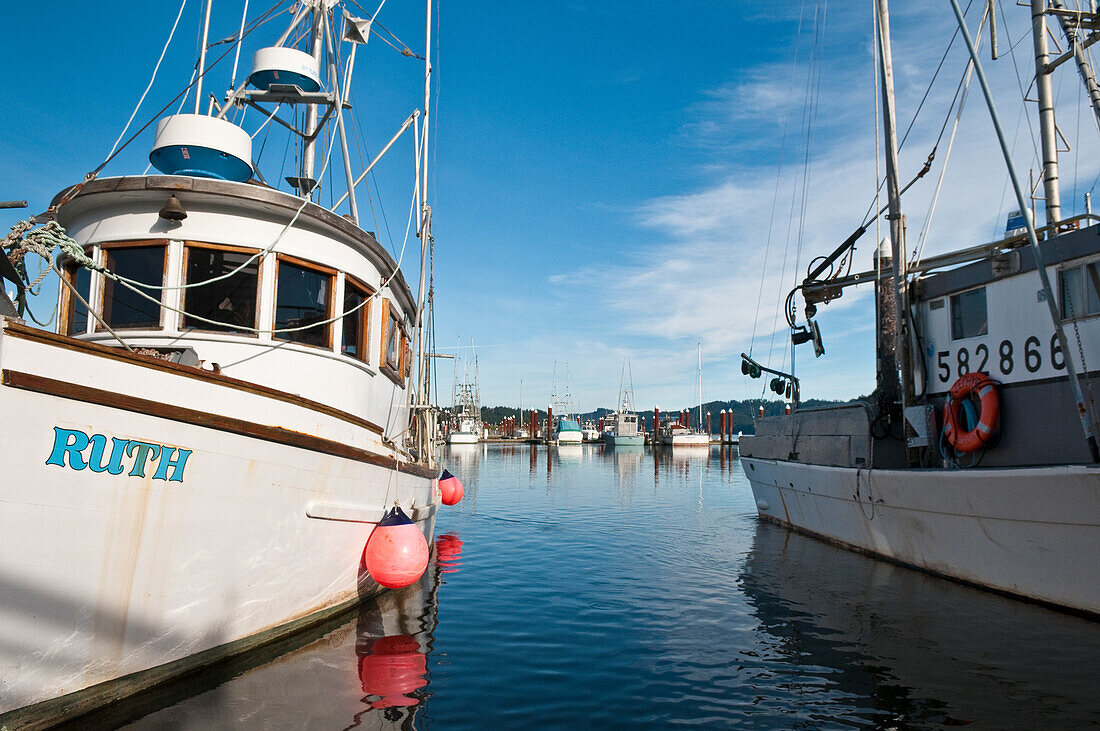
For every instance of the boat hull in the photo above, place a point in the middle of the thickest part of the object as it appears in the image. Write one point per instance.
(569, 437)
(117, 575)
(459, 437)
(634, 440)
(1027, 532)
(685, 440)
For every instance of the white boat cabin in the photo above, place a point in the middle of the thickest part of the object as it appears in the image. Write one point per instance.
(293, 319)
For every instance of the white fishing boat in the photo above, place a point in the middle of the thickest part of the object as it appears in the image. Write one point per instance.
(568, 431)
(590, 431)
(680, 433)
(621, 428)
(234, 396)
(976, 458)
(466, 425)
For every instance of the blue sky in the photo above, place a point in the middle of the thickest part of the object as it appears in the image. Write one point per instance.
(605, 172)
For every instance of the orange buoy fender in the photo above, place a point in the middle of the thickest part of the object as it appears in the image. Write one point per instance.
(450, 488)
(985, 389)
(396, 553)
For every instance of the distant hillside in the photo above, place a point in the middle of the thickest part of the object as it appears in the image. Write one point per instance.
(743, 412)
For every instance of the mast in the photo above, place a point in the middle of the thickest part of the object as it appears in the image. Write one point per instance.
(202, 57)
(309, 151)
(1077, 49)
(897, 224)
(700, 386)
(1047, 129)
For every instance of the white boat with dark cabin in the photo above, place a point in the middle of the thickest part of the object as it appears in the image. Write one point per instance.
(976, 458)
(234, 397)
(622, 428)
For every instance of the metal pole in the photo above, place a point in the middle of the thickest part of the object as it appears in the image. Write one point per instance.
(330, 40)
(309, 151)
(897, 229)
(1033, 241)
(202, 57)
(1047, 130)
(1084, 68)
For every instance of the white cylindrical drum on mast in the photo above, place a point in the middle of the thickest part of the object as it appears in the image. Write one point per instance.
(278, 65)
(203, 147)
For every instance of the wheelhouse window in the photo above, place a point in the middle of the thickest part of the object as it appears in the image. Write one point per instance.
(76, 314)
(1080, 291)
(303, 299)
(356, 321)
(394, 357)
(122, 306)
(968, 314)
(230, 301)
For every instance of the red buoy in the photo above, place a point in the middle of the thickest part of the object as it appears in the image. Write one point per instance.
(450, 488)
(396, 553)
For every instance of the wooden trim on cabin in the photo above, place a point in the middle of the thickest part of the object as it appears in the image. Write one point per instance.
(279, 435)
(330, 308)
(181, 323)
(25, 332)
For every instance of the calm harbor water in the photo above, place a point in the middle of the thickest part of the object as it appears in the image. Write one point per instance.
(591, 587)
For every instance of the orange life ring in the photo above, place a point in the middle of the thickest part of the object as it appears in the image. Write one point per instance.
(982, 434)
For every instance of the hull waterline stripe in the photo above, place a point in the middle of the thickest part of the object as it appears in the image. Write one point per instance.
(64, 389)
(69, 343)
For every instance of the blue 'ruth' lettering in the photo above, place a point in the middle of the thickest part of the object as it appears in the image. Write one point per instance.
(72, 443)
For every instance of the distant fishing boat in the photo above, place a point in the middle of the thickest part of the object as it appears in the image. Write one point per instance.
(976, 458)
(235, 394)
(465, 426)
(621, 428)
(680, 433)
(565, 428)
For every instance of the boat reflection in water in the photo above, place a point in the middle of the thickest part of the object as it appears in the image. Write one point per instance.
(914, 648)
(370, 667)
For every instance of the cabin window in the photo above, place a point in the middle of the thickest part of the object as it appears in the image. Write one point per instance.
(394, 356)
(356, 321)
(230, 301)
(303, 298)
(76, 314)
(1080, 295)
(968, 314)
(122, 306)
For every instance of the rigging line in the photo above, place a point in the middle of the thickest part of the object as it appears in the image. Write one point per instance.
(152, 79)
(775, 195)
(115, 153)
(813, 90)
(790, 221)
(1020, 84)
(960, 97)
(381, 206)
(357, 132)
(404, 50)
(928, 90)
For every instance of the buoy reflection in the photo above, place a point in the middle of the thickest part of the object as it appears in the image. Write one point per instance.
(390, 669)
(448, 552)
